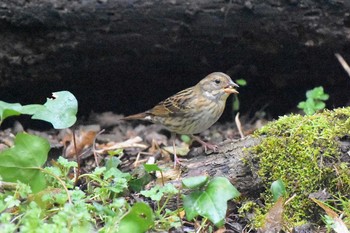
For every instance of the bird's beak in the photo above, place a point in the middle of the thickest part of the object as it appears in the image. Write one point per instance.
(230, 88)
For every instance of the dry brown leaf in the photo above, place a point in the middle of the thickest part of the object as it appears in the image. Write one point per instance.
(274, 218)
(83, 139)
(132, 142)
(339, 226)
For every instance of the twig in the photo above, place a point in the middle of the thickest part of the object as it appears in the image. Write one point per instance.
(290, 199)
(94, 146)
(343, 63)
(77, 158)
(239, 125)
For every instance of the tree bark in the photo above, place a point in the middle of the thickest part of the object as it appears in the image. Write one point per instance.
(105, 51)
(235, 162)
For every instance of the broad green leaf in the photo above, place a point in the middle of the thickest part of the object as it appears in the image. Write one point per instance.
(22, 162)
(31, 109)
(190, 206)
(195, 182)
(212, 202)
(278, 189)
(138, 220)
(60, 111)
(8, 110)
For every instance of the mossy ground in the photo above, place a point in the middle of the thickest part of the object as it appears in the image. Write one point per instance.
(304, 151)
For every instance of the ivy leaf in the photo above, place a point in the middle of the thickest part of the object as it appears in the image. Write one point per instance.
(212, 202)
(138, 220)
(195, 182)
(60, 111)
(8, 110)
(23, 161)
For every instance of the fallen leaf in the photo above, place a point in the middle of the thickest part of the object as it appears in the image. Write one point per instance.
(273, 219)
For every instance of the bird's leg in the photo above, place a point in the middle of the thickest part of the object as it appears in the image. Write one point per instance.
(205, 144)
(176, 160)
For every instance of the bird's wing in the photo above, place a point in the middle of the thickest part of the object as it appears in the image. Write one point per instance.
(176, 105)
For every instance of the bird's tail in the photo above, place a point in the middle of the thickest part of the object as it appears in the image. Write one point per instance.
(139, 116)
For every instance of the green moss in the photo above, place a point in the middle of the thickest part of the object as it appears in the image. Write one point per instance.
(297, 149)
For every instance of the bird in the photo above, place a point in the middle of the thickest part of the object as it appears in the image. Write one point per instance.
(193, 110)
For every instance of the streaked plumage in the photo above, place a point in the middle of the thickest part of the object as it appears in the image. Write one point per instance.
(194, 109)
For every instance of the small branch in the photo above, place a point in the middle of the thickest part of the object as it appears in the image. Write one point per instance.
(239, 125)
(77, 158)
(343, 63)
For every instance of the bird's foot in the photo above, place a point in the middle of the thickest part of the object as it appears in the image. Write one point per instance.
(210, 146)
(206, 145)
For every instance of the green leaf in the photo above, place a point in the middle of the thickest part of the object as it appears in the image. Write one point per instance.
(151, 167)
(308, 106)
(185, 138)
(139, 183)
(323, 97)
(60, 111)
(138, 220)
(236, 104)
(190, 206)
(115, 152)
(23, 161)
(112, 162)
(212, 202)
(195, 182)
(317, 93)
(302, 105)
(156, 193)
(8, 110)
(319, 105)
(241, 82)
(314, 101)
(278, 189)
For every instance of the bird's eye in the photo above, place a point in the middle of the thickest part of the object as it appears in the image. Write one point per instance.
(217, 81)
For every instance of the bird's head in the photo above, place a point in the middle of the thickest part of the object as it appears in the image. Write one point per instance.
(217, 86)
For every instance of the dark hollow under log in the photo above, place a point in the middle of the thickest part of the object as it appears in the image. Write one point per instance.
(111, 54)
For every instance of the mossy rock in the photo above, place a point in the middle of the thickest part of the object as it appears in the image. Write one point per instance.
(305, 152)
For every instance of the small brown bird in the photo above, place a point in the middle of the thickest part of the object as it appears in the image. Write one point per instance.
(194, 109)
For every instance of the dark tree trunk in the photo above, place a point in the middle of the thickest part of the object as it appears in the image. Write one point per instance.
(112, 53)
